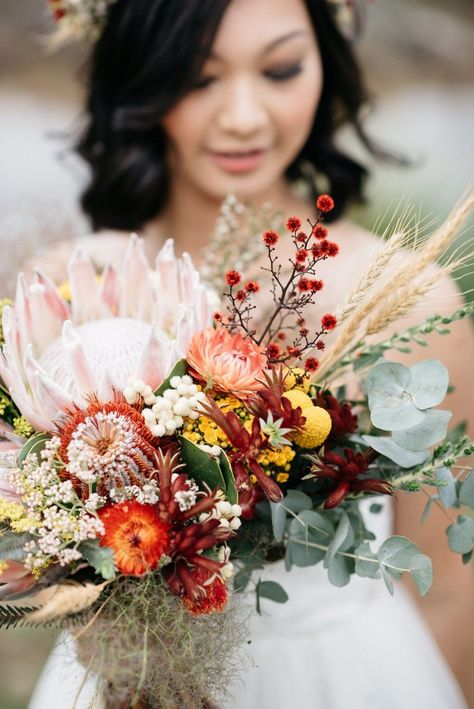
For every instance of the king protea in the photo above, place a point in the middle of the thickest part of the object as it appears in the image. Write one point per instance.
(137, 322)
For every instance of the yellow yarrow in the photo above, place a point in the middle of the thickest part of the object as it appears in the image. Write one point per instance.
(297, 379)
(11, 510)
(296, 397)
(22, 427)
(315, 430)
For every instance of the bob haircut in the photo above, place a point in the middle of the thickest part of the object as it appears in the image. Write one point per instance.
(149, 55)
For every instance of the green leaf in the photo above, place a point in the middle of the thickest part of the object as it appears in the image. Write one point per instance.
(309, 528)
(461, 535)
(179, 370)
(11, 545)
(99, 557)
(387, 447)
(202, 467)
(342, 540)
(229, 480)
(35, 445)
(369, 569)
(338, 571)
(466, 496)
(466, 558)
(425, 434)
(395, 414)
(387, 580)
(447, 493)
(273, 591)
(427, 510)
(421, 570)
(296, 501)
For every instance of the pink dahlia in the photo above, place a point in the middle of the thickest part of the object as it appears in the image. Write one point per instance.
(227, 362)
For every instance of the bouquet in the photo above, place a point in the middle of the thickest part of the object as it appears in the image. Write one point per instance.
(157, 452)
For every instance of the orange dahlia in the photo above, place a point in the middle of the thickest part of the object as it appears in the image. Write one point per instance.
(227, 362)
(214, 593)
(137, 536)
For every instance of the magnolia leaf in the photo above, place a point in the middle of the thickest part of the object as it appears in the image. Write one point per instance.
(387, 447)
(431, 430)
(342, 540)
(369, 569)
(466, 496)
(179, 370)
(461, 535)
(99, 557)
(228, 474)
(429, 383)
(273, 591)
(447, 493)
(395, 414)
(201, 466)
(35, 445)
(338, 571)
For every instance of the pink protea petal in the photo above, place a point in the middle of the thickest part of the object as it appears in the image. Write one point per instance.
(137, 297)
(84, 377)
(56, 304)
(153, 365)
(22, 312)
(110, 291)
(84, 287)
(46, 325)
(28, 409)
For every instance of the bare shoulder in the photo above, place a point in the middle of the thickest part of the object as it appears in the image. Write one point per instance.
(105, 247)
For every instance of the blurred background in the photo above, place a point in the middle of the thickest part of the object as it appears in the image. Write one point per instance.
(418, 57)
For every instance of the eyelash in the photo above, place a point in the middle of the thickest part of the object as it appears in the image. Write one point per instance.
(284, 74)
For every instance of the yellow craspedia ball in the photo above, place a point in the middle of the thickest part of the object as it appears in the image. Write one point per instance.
(297, 379)
(296, 397)
(316, 429)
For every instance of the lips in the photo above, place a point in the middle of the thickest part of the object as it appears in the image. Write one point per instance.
(238, 161)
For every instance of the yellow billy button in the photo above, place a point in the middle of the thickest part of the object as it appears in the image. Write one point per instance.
(296, 397)
(315, 430)
(297, 379)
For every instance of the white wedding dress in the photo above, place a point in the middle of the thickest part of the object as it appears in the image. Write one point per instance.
(327, 648)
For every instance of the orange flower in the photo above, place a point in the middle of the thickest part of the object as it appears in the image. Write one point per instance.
(137, 535)
(227, 362)
(214, 596)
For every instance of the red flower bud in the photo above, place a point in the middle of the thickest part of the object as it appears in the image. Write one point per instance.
(325, 203)
(293, 224)
(329, 322)
(232, 278)
(270, 238)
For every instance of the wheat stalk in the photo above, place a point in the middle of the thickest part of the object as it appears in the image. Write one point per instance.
(382, 300)
(64, 599)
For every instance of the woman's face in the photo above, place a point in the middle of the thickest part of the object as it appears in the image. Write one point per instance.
(253, 107)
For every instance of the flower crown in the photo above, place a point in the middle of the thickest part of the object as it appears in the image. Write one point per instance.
(84, 20)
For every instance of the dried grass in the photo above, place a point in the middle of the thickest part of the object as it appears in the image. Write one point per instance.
(64, 599)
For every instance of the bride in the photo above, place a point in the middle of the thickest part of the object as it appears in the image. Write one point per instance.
(191, 101)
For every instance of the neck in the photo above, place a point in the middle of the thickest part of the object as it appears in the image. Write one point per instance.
(189, 216)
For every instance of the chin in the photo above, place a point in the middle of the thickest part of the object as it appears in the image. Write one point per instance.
(245, 186)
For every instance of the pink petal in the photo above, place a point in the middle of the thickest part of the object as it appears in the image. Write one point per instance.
(154, 360)
(56, 304)
(110, 292)
(83, 375)
(137, 298)
(84, 288)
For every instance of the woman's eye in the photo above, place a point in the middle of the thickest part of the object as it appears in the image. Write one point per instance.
(284, 73)
(203, 82)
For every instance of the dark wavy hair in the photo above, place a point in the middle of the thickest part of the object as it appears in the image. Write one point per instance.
(149, 55)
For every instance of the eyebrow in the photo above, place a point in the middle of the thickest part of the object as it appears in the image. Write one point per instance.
(273, 44)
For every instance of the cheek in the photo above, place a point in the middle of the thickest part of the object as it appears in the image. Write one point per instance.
(298, 110)
(184, 126)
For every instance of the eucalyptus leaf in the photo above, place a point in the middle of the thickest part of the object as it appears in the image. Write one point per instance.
(429, 383)
(179, 370)
(342, 540)
(101, 558)
(296, 501)
(387, 580)
(34, 445)
(447, 493)
(466, 496)
(241, 580)
(396, 555)
(387, 447)
(386, 380)
(273, 591)
(427, 510)
(461, 535)
(432, 429)
(338, 571)
(395, 414)
(369, 569)
(421, 570)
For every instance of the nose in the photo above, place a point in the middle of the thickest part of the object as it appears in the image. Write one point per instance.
(243, 112)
